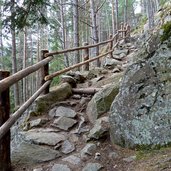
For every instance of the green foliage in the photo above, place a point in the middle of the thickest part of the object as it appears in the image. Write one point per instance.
(144, 151)
(56, 65)
(121, 6)
(26, 14)
(166, 31)
(162, 2)
(55, 81)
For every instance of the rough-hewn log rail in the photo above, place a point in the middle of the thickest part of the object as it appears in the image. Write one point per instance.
(7, 82)
(49, 77)
(81, 48)
(9, 123)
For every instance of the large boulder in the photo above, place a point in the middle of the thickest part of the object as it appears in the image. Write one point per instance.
(141, 112)
(101, 101)
(59, 93)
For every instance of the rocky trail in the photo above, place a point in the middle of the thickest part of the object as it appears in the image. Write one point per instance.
(64, 139)
(68, 130)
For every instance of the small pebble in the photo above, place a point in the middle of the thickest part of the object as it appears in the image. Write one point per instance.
(97, 156)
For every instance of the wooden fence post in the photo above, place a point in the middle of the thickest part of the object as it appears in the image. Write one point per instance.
(5, 160)
(44, 71)
(128, 33)
(122, 27)
(116, 37)
(111, 46)
(86, 57)
(125, 32)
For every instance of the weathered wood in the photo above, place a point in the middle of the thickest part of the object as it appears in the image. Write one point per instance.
(78, 65)
(85, 90)
(128, 32)
(7, 82)
(5, 160)
(75, 66)
(111, 46)
(122, 28)
(124, 33)
(80, 48)
(8, 124)
(86, 57)
(44, 71)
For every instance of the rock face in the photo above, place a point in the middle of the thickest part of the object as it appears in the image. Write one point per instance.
(141, 113)
(101, 102)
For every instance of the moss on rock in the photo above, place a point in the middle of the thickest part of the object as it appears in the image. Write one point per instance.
(166, 31)
(61, 92)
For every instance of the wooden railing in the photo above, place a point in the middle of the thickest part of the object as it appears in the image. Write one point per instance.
(6, 81)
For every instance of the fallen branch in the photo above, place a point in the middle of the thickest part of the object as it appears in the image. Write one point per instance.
(85, 90)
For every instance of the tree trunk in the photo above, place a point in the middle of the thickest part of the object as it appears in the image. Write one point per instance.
(94, 29)
(157, 4)
(37, 79)
(32, 84)
(76, 29)
(5, 161)
(133, 21)
(150, 14)
(117, 14)
(1, 42)
(14, 59)
(24, 65)
(143, 6)
(126, 11)
(63, 33)
(113, 18)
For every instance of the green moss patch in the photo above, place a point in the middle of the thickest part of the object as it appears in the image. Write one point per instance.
(166, 31)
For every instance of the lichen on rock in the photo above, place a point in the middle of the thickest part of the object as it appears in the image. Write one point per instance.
(102, 101)
(141, 112)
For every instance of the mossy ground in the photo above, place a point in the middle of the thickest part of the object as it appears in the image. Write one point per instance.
(154, 159)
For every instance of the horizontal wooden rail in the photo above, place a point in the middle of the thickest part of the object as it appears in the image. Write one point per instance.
(80, 48)
(9, 123)
(7, 82)
(49, 77)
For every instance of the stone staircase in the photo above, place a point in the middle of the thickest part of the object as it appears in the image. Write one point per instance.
(73, 134)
